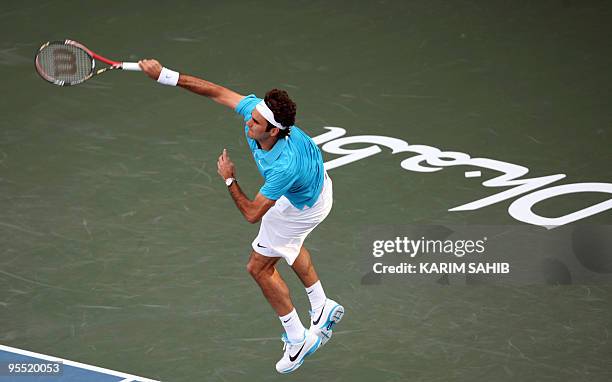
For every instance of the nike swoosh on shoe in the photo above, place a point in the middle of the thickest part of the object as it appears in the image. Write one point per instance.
(294, 357)
(321, 314)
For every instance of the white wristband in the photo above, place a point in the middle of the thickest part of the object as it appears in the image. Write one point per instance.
(168, 77)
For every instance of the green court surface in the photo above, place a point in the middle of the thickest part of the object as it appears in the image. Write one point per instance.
(121, 248)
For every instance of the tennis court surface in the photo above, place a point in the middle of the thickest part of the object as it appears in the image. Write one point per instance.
(121, 249)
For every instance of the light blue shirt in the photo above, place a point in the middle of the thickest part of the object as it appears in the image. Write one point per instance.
(293, 167)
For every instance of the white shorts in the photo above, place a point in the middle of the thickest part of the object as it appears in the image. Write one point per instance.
(284, 228)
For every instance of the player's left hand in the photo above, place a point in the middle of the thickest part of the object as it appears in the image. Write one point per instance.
(225, 167)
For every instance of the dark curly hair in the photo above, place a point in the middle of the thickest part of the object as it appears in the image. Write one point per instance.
(283, 108)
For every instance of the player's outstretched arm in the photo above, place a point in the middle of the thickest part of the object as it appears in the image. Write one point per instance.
(217, 93)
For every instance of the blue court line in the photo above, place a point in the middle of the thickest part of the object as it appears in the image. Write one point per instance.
(71, 371)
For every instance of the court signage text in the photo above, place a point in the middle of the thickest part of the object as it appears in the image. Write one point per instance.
(527, 192)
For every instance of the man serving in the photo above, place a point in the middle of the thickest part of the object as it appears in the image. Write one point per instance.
(296, 196)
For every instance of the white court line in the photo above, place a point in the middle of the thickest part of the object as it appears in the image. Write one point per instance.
(128, 377)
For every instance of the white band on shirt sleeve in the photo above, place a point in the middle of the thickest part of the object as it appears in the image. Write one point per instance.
(168, 77)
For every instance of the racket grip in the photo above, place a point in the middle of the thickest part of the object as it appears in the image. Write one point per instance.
(130, 66)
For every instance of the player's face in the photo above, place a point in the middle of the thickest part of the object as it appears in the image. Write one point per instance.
(257, 126)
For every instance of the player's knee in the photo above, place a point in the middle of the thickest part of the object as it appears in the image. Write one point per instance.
(259, 270)
(253, 269)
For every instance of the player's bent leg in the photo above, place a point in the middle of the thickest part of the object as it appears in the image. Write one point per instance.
(263, 270)
(304, 268)
(298, 342)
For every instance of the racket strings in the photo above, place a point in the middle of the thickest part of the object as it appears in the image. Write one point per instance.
(59, 62)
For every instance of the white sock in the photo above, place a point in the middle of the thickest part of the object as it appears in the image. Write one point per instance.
(316, 295)
(293, 326)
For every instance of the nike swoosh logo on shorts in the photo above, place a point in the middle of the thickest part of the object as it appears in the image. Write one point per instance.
(293, 358)
(320, 314)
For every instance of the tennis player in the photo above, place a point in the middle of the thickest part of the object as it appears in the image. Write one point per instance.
(296, 196)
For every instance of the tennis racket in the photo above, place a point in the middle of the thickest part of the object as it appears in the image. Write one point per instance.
(68, 62)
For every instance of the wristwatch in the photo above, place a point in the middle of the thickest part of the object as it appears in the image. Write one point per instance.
(229, 181)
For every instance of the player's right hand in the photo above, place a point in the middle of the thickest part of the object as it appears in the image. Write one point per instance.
(151, 68)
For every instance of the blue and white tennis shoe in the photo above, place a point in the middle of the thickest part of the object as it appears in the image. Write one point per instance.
(323, 320)
(295, 352)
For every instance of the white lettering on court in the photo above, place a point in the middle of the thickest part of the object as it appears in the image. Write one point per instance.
(432, 159)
